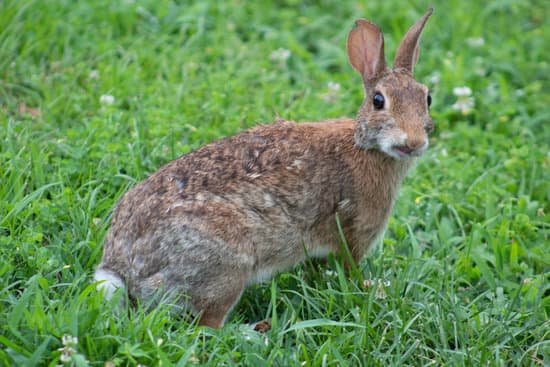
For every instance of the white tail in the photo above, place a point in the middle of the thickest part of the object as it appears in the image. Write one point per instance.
(110, 282)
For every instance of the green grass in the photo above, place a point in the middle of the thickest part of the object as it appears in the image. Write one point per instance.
(463, 275)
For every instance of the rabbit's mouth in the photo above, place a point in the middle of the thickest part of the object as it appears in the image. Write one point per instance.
(405, 151)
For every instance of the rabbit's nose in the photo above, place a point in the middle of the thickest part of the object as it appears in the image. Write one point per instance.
(414, 143)
(410, 146)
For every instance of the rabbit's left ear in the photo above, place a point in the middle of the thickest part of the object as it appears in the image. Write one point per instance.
(407, 53)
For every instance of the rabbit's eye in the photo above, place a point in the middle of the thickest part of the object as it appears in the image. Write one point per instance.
(429, 100)
(378, 101)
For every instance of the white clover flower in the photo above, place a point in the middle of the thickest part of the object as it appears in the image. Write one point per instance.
(332, 94)
(94, 74)
(475, 41)
(434, 78)
(68, 340)
(367, 283)
(330, 273)
(65, 358)
(69, 349)
(462, 91)
(519, 92)
(479, 71)
(106, 99)
(380, 292)
(334, 87)
(194, 359)
(464, 102)
(464, 105)
(280, 56)
(479, 66)
(380, 283)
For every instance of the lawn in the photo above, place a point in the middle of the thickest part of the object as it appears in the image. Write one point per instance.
(97, 95)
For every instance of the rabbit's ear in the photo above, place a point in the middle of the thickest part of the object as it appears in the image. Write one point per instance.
(407, 53)
(366, 49)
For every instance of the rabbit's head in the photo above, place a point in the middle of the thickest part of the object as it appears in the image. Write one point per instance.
(394, 117)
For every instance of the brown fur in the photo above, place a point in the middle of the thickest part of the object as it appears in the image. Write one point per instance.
(236, 211)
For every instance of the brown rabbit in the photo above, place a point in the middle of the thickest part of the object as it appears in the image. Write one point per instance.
(239, 210)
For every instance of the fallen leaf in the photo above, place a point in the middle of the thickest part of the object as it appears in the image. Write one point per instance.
(32, 112)
(262, 326)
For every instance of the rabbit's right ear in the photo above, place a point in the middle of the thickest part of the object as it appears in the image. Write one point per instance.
(366, 49)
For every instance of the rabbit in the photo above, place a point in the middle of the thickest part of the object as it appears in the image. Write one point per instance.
(237, 211)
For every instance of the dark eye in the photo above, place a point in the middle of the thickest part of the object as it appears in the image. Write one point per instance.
(429, 100)
(378, 101)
